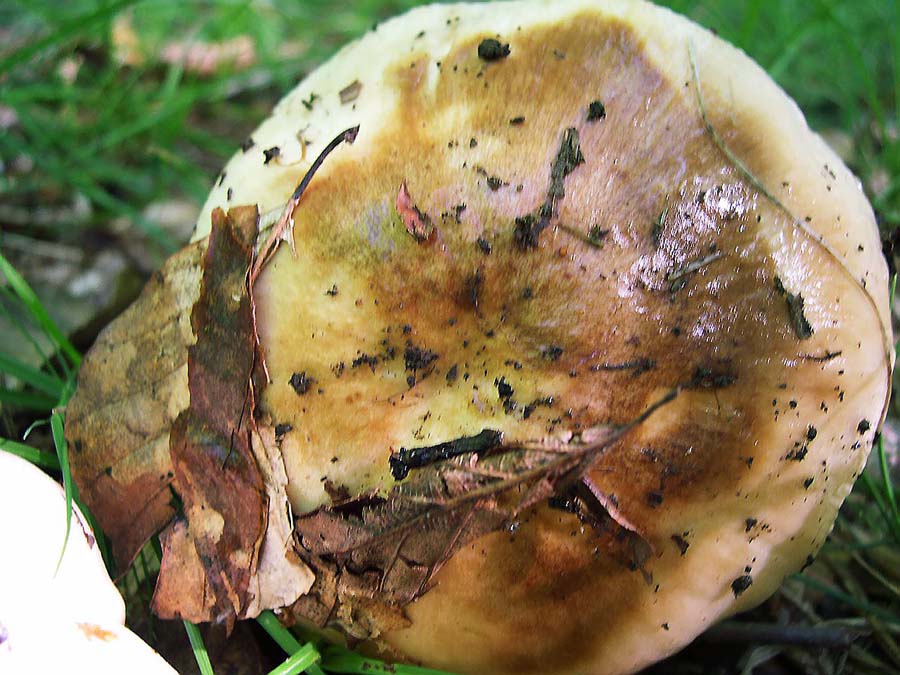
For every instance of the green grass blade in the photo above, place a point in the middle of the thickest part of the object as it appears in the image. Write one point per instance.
(36, 309)
(854, 52)
(70, 173)
(99, 536)
(830, 547)
(298, 662)
(889, 495)
(48, 384)
(875, 493)
(889, 503)
(62, 455)
(860, 605)
(285, 640)
(35, 425)
(65, 31)
(338, 660)
(16, 323)
(279, 633)
(199, 648)
(37, 457)
(26, 400)
(794, 48)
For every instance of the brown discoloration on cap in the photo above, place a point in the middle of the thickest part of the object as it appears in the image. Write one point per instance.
(576, 287)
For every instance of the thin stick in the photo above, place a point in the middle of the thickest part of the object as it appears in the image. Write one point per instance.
(694, 266)
(777, 634)
(286, 222)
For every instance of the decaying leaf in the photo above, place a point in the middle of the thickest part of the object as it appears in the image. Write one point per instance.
(131, 387)
(215, 472)
(176, 437)
(209, 567)
(281, 575)
(417, 223)
(390, 547)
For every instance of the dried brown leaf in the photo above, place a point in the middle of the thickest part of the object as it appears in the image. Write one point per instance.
(131, 387)
(236, 542)
(281, 576)
(216, 474)
(417, 223)
(177, 435)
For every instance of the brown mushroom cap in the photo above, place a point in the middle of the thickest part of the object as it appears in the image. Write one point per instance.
(734, 256)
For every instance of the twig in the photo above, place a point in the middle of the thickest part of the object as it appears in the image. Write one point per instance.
(778, 634)
(575, 457)
(286, 221)
(693, 266)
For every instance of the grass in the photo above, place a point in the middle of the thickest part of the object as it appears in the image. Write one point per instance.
(126, 136)
(83, 120)
(199, 648)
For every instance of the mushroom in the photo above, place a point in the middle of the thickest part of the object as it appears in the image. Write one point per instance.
(58, 608)
(574, 227)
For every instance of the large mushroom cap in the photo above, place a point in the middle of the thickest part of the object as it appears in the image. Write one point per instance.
(555, 213)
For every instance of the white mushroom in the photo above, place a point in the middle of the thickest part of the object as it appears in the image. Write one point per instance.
(58, 612)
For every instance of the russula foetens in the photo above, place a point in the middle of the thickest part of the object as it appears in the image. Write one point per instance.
(59, 611)
(563, 225)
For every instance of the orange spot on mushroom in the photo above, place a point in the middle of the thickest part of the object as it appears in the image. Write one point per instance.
(94, 632)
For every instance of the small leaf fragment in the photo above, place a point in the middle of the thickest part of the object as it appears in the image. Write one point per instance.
(417, 223)
(351, 92)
